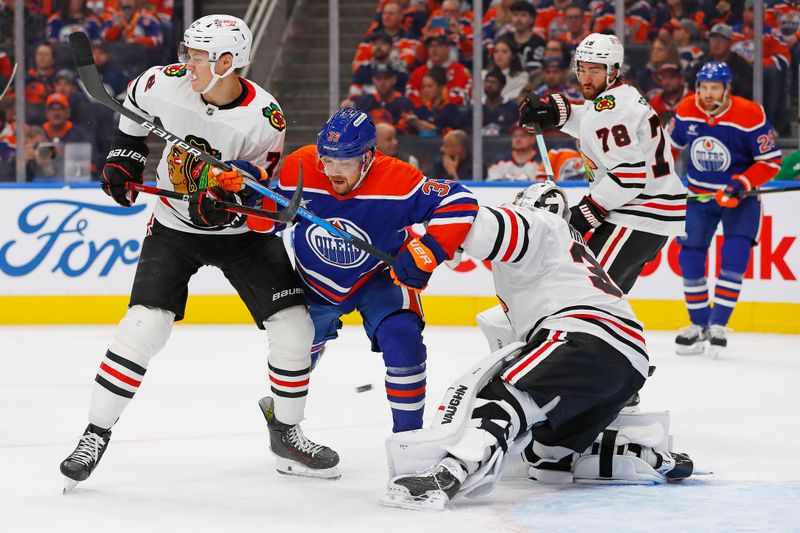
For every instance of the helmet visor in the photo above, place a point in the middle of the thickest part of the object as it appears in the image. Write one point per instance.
(340, 167)
(194, 56)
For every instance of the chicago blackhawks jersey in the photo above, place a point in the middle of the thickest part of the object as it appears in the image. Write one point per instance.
(251, 127)
(393, 196)
(628, 161)
(546, 277)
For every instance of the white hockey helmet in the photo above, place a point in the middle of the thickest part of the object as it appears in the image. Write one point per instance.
(600, 48)
(545, 195)
(218, 35)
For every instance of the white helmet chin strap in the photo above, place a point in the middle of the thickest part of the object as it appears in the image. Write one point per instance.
(365, 170)
(216, 77)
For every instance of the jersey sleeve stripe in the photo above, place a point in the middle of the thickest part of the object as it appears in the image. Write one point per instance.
(501, 230)
(776, 154)
(451, 220)
(456, 207)
(625, 185)
(525, 240)
(512, 242)
(629, 165)
(630, 175)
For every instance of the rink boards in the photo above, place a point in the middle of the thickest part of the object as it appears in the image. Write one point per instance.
(68, 255)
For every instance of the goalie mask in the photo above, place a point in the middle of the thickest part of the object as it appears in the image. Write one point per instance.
(546, 195)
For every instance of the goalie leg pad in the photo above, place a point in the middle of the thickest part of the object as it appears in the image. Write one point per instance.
(410, 451)
(290, 333)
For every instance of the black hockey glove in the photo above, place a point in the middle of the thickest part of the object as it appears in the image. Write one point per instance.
(124, 163)
(587, 215)
(547, 111)
(204, 213)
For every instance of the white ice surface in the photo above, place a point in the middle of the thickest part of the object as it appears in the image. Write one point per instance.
(190, 452)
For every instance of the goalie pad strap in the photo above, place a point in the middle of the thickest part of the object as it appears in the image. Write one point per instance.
(607, 445)
(495, 431)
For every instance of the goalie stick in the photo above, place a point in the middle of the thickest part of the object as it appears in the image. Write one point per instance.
(754, 192)
(10, 81)
(84, 62)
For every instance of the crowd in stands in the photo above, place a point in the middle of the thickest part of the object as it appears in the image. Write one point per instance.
(413, 69)
(61, 123)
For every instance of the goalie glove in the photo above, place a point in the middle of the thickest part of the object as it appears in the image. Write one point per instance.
(415, 263)
(550, 111)
(204, 213)
(124, 162)
(587, 215)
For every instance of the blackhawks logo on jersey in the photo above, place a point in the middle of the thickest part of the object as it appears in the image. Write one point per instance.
(188, 173)
(275, 116)
(605, 102)
(176, 71)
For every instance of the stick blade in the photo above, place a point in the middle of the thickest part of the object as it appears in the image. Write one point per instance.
(290, 211)
(81, 49)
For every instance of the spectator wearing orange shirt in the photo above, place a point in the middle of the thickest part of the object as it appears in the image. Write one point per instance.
(458, 80)
(637, 19)
(456, 26)
(39, 82)
(404, 47)
(551, 22)
(576, 25)
(434, 115)
(132, 23)
(776, 61)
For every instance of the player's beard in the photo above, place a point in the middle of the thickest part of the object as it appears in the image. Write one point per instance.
(590, 92)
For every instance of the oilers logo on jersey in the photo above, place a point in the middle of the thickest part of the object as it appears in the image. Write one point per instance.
(335, 250)
(709, 154)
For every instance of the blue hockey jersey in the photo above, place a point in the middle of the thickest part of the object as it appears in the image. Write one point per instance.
(738, 141)
(392, 197)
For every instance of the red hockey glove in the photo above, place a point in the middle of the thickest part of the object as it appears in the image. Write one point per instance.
(415, 263)
(730, 196)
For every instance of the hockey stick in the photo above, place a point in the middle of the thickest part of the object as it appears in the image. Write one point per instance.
(10, 81)
(548, 168)
(84, 62)
(755, 192)
(218, 204)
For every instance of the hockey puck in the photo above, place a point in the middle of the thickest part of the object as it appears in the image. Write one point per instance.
(364, 388)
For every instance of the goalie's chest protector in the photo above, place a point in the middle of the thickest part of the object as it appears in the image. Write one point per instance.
(251, 128)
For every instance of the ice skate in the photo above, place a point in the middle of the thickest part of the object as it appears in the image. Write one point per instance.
(428, 490)
(691, 340)
(295, 454)
(674, 466)
(83, 460)
(717, 339)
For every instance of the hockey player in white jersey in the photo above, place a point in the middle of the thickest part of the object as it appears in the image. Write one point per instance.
(573, 355)
(636, 200)
(205, 102)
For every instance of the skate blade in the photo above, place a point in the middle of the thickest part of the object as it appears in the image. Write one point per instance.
(714, 351)
(434, 500)
(694, 349)
(69, 485)
(291, 468)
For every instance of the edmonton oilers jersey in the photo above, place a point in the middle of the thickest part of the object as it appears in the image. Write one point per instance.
(392, 197)
(721, 146)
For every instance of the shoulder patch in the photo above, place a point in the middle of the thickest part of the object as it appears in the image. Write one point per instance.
(605, 102)
(176, 71)
(275, 116)
(150, 82)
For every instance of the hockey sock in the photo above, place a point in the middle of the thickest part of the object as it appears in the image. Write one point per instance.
(400, 338)
(735, 256)
(141, 334)
(693, 269)
(695, 291)
(290, 333)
